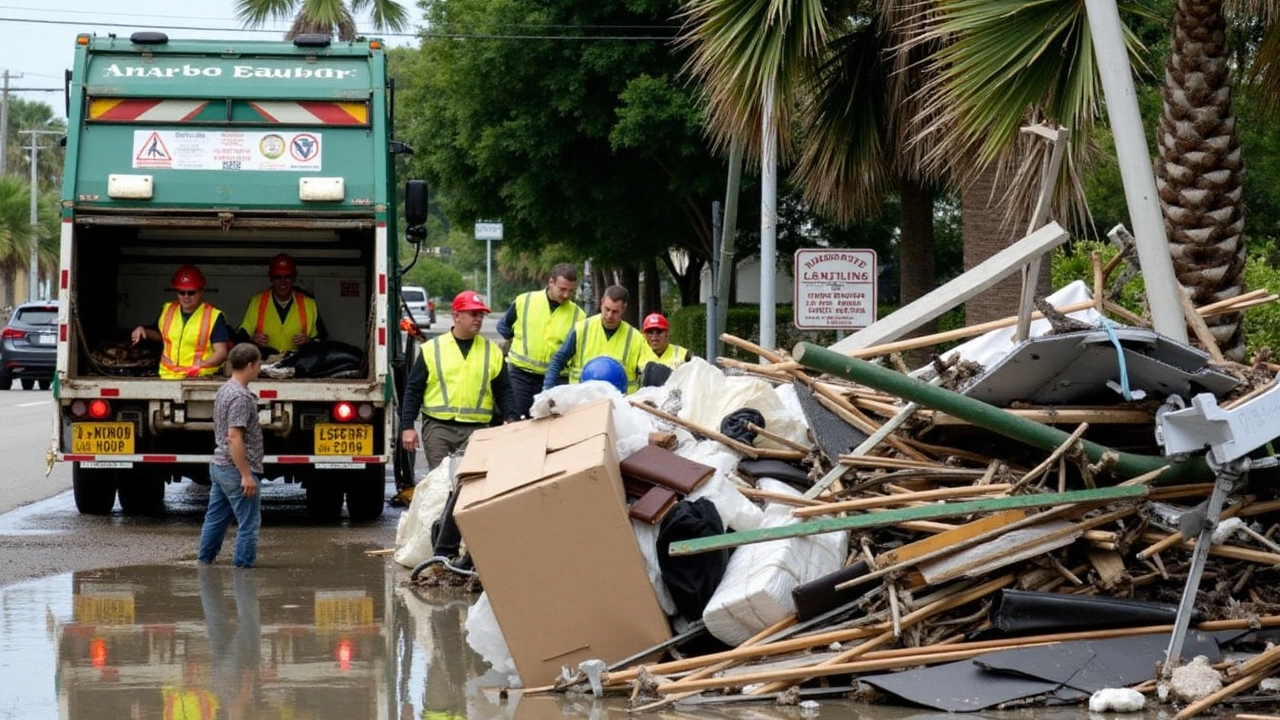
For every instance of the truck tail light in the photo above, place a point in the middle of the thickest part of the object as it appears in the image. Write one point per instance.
(344, 412)
(12, 333)
(99, 409)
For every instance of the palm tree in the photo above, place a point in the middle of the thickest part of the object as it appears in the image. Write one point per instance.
(1010, 45)
(15, 232)
(844, 80)
(325, 17)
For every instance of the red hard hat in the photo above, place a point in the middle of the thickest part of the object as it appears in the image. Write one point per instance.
(188, 277)
(282, 264)
(655, 320)
(469, 300)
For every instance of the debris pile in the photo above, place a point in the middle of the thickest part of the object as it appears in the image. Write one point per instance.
(1090, 512)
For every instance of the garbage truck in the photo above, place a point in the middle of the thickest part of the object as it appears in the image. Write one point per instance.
(222, 155)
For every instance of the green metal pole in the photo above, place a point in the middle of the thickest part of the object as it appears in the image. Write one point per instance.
(1045, 437)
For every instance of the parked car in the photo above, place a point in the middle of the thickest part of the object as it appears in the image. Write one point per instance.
(420, 306)
(29, 345)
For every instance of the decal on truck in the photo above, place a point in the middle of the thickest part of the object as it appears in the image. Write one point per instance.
(226, 150)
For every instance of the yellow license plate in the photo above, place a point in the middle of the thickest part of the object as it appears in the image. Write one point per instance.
(344, 611)
(334, 439)
(103, 610)
(102, 438)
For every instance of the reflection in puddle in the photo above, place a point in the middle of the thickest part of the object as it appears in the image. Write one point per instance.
(335, 637)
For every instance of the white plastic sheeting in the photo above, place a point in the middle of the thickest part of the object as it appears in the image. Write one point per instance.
(413, 533)
(707, 395)
(756, 589)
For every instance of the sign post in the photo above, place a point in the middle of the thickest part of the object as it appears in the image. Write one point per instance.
(835, 288)
(489, 232)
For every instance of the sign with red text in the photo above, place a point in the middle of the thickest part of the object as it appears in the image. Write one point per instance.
(835, 289)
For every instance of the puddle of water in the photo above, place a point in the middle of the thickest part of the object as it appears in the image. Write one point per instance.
(338, 637)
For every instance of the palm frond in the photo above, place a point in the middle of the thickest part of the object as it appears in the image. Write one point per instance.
(739, 48)
(385, 14)
(256, 13)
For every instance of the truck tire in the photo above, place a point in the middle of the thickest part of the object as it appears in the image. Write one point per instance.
(324, 498)
(366, 492)
(28, 383)
(141, 493)
(94, 489)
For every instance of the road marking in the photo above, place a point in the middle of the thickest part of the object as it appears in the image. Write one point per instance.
(32, 404)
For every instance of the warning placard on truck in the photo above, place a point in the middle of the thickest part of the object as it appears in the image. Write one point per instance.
(226, 150)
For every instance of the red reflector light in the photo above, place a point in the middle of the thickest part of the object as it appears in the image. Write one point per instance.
(343, 654)
(98, 652)
(344, 412)
(99, 409)
(12, 334)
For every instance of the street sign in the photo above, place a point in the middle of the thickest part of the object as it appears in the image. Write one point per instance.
(488, 231)
(835, 289)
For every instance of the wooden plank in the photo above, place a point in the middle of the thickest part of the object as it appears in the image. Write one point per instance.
(867, 503)
(1010, 548)
(1062, 416)
(1109, 565)
(949, 538)
(892, 517)
(983, 276)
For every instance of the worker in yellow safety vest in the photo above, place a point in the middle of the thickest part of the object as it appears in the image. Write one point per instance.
(603, 334)
(459, 384)
(195, 334)
(282, 317)
(657, 333)
(534, 327)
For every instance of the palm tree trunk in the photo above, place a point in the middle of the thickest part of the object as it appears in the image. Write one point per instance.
(987, 231)
(917, 259)
(1199, 170)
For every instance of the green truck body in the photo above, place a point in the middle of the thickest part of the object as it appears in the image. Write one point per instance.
(222, 154)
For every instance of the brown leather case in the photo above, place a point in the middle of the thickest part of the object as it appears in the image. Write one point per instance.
(654, 504)
(665, 468)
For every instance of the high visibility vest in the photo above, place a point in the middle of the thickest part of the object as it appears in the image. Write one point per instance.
(672, 358)
(458, 388)
(262, 317)
(626, 346)
(540, 331)
(180, 704)
(185, 343)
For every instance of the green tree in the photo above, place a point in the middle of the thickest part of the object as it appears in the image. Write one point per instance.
(325, 17)
(846, 77)
(16, 231)
(31, 115)
(566, 136)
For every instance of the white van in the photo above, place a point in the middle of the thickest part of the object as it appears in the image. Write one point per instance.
(420, 306)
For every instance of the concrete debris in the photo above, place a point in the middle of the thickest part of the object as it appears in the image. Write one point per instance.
(1194, 681)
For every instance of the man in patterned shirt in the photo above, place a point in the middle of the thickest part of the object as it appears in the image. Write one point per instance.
(236, 468)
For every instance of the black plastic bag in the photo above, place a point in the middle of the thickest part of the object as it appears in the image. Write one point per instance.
(735, 425)
(691, 579)
(325, 358)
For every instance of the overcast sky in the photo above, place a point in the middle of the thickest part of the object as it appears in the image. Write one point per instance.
(37, 39)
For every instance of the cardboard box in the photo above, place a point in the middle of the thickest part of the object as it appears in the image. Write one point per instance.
(543, 512)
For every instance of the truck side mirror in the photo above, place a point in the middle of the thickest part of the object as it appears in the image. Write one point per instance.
(415, 210)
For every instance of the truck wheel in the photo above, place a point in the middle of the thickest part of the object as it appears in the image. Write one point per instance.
(28, 383)
(366, 492)
(45, 384)
(94, 489)
(324, 498)
(141, 494)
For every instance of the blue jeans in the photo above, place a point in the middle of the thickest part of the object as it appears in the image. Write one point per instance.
(227, 498)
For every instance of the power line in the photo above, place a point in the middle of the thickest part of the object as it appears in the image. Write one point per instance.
(422, 34)
(547, 26)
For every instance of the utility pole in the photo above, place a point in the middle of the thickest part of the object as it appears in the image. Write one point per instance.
(33, 272)
(4, 119)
